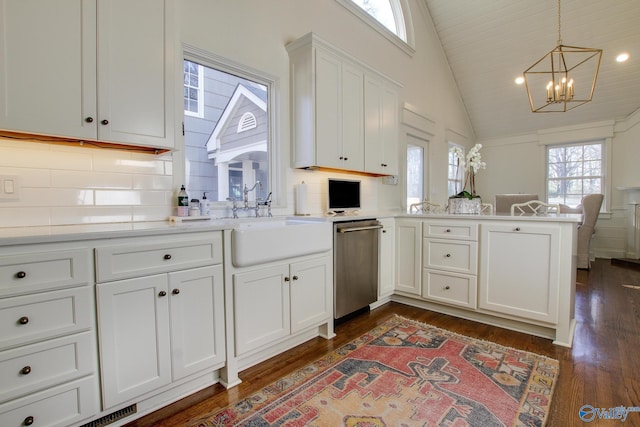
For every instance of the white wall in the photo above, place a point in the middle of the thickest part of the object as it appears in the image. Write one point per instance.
(74, 185)
(517, 165)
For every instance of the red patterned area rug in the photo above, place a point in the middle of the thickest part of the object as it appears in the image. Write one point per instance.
(405, 373)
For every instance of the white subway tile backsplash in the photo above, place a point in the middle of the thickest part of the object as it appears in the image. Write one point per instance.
(153, 213)
(125, 163)
(152, 182)
(68, 185)
(23, 217)
(75, 179)
(129, 198)
(90, 215)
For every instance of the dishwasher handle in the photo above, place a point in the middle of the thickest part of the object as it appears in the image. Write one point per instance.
(367, 227)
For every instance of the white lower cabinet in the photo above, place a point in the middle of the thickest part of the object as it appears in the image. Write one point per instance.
(386, 257)
(408, 256)
(274, 302)
(158, 329)
(520, 270)
(48, 355)
(160, 313)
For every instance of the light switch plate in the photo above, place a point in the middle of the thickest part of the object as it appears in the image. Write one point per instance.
(9, 188)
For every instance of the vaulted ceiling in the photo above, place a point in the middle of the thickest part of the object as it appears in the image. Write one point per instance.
(488, 43)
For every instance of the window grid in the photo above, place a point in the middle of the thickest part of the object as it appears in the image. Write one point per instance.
(455, 173)
(574, 171)
(193, 89)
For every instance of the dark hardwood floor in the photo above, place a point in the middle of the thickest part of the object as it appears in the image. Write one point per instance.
(602, 369)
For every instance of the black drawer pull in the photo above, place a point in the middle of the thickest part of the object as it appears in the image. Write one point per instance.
(23, 320)
(21, 274)
(446, 288)
(448, 255)
(167, 257)
(105, 122)
(448, 230)
(26, 370)
(28, 421)
(517, 228)
(162, 294)
(176, 291)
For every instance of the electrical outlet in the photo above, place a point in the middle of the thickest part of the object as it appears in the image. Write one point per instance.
(390, 180)
(9, 188)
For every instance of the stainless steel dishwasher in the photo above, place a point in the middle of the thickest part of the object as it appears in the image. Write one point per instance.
(355, 266)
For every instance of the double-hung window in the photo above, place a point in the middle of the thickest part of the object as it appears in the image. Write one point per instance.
(575, 170)
(455, 174)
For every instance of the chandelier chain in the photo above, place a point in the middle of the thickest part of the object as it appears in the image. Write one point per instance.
(559, 36)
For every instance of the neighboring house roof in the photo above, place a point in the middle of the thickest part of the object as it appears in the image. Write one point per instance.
(236, 118)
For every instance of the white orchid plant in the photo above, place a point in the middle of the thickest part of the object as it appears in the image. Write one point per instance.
(471, 165)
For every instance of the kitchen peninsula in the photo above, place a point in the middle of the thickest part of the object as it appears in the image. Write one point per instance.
(517, 272)
(100, 321)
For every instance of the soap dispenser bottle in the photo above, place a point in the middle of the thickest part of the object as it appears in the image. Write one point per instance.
(183, 202)
(205, 207)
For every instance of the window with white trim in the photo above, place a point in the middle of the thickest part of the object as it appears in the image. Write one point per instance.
(455, 172)
(575, 170)
(390, 18)
(193, 89)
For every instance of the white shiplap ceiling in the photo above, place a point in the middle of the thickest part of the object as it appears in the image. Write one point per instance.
(488, 43)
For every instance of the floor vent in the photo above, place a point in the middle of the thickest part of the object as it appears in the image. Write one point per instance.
(113, 417)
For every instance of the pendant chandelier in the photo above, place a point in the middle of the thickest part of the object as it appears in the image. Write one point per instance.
(564, 78)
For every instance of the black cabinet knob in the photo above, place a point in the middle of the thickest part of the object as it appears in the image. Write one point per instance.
(105, 122)
(167, 257)
(89, 119)
(28, 421)
(162, 294)
(26, 370)
(21, 274)
(23, 320)
(176, 291)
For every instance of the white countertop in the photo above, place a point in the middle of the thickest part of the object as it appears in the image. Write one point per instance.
(69, 233)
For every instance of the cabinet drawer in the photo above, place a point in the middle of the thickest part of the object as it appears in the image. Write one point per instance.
(457, 230)
(451, 255)
(135, 260)
(30, 318)
(450, 288)
(57, 407)
(34, 272)
(34, 367)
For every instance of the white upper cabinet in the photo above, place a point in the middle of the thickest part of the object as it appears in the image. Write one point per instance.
(381, 127)
(339, 119)
(101, 70)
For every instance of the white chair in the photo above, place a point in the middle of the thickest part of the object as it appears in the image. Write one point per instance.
(535, 207)
(425, 207)
(486, 209)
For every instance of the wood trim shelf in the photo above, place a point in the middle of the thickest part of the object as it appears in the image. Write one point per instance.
(89, 143)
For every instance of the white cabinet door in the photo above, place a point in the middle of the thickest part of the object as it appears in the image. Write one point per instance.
(135, 86)
(352, 118)
(100, 70)
(408, 256)
(261, 307)
(133, 319)
(48, 67)
(519, 270)
(197, 319)
(386, 257)
(381, 128)
(328, 143)
(311, 301)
